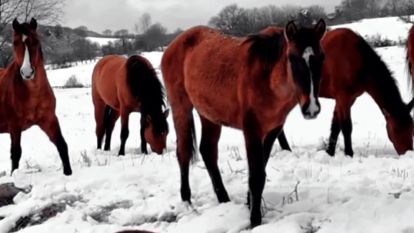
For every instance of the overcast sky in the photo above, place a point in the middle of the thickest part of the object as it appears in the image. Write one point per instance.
(99, 15)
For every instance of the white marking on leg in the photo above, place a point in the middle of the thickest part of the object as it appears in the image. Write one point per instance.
(26, 69)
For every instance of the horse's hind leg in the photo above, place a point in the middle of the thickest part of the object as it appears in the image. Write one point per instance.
(284, 144)
(185, 131)
(210, 135)
(16, 149)
(100, 107)
(124, 129)
(111, 117)
(51, 127)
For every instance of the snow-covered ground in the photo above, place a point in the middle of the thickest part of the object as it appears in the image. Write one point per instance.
(392, 28)
(101, 41)
(373, 192)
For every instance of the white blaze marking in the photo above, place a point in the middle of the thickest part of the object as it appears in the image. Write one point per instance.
(26, 69)
(313, 107)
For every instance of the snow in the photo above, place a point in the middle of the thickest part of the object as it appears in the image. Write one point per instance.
(392, 28)
(373, 192)
(101, 41)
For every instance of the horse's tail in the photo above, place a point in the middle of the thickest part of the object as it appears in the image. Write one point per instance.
(144, 85)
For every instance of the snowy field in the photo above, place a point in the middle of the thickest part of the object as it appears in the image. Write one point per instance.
(373, 192)
(392, 28)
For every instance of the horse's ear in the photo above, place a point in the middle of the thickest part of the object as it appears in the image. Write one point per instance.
(16, 25)
(410, 105)
(320, 28)
(33, 24)
(290, 31)
(166, 113)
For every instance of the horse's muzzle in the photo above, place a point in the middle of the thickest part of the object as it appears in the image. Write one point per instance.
(27, 74)
(311, 111)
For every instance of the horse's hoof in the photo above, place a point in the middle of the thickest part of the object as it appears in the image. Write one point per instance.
(67, 171)
(255, 221)
(330, 152)
(350, 154)
(223, 198)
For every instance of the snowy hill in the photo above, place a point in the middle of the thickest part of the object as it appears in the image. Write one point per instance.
(391, 28)
(101, 41)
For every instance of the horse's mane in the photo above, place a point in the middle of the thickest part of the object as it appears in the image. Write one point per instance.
(266, 47)
(376, 71)
(147, 88)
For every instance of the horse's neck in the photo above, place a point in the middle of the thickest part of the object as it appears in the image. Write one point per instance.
(387, 97)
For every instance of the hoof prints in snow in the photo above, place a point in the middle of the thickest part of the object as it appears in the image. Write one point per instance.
(103, 214)
(39, 217)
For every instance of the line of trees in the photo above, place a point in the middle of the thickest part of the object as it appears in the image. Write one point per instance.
(239, 21)
(63, 45)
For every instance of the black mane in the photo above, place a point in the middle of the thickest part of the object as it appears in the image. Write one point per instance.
(147, 88)
(379, 74)
(268, 48)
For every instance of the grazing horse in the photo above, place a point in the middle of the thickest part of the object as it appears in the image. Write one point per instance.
(351, 68)
(26, 98)
(246, 83)
(121, 86)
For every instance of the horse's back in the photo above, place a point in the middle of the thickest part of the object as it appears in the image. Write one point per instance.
(107, 76)
(204, 64)
(343, 61)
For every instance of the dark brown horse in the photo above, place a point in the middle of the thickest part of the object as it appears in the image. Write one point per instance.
(351, 68)
(246, 83)
(121, 86)
(26, 98)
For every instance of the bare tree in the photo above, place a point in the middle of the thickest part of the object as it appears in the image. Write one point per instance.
(45, 11)
(143, 24)
(107, 32)
(232, 20)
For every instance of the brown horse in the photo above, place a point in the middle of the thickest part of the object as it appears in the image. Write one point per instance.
(246, 83)
(121, 86)
(351, 68)
(26, 98)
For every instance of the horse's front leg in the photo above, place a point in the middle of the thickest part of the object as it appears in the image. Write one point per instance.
(50, 125)
(267, 147)
(124, 130)
(15, 149)
(256, 164)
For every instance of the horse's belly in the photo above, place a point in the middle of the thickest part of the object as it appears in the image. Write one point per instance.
(216, 108)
